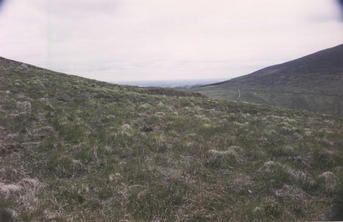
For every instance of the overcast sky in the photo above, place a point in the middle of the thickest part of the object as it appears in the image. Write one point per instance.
(124, 40)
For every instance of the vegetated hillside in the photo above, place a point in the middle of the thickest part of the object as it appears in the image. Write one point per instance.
(74, 149)
(312, 83)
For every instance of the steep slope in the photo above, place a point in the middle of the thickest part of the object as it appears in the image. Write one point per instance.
(74, 149)
(313, 83)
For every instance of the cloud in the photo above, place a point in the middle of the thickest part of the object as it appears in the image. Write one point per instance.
(78, 8)
(172, 39)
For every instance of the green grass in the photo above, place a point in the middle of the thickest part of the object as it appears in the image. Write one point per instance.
(103, 152)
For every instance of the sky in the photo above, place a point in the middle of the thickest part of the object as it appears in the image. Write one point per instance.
(136, 40)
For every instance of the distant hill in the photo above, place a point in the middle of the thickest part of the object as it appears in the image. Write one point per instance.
(314, 82)
(75, 149)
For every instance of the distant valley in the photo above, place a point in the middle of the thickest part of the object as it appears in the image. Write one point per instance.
(187, 83)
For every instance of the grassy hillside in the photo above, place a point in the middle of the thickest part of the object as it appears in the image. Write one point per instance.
(311, 83)
(74, 149)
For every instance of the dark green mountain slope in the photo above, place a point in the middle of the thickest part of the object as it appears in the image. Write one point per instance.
(313, 83)
(74, 149)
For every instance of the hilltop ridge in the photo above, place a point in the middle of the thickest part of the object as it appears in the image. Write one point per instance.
(313, 83)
